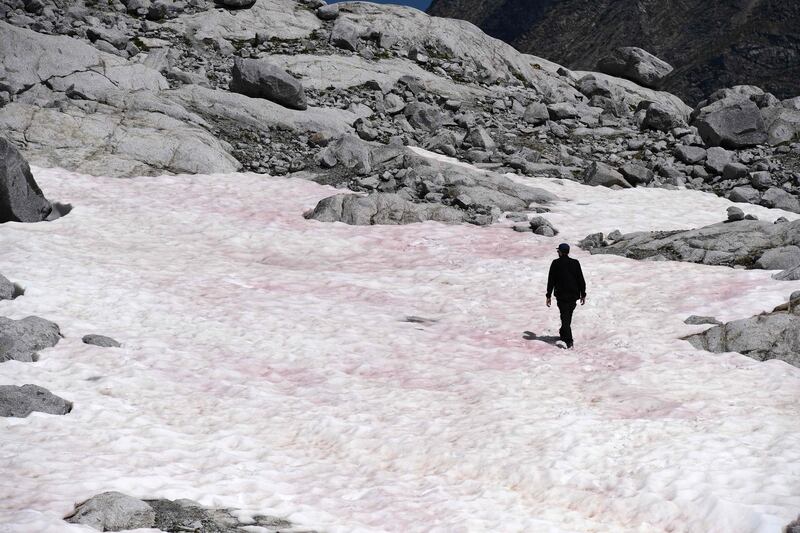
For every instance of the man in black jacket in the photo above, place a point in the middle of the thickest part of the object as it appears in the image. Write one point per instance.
(566, 278)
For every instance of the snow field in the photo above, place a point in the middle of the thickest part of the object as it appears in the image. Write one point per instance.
(267, 365)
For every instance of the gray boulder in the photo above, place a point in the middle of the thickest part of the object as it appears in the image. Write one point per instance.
(782, 124)
(113, 511)
(717, 158)
(258, 78)
(636, 65)
(735, 214)
(562, 110)
(734, 171)
(542, 226)
(744, 194)
(731, 123)
(424, 116)
(100, 340)
(780, 199)
(637, 174)
(350, 152)
(20, 340)
(662, 118)
(478, 137)
(601, 174)
(21, 199)
(536, 113)
(381, 208)
(690, 154)
(21, 401)
(328, 12)
(345, 35)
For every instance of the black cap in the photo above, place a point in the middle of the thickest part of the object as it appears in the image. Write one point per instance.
(563, 247)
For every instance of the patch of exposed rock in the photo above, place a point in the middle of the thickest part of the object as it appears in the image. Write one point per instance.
(743, 243)
(114, 511)
(774, 335)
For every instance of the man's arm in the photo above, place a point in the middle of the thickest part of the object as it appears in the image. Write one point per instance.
(581, 283)
(551, 280)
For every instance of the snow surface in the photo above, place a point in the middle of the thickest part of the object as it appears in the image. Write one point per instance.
(267, 365)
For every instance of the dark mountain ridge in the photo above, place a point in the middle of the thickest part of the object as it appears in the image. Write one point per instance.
(711, 43)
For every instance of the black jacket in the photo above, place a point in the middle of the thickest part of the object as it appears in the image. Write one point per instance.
(566, 278)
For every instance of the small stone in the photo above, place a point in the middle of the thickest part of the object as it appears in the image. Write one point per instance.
(100, 340)
(734, 214)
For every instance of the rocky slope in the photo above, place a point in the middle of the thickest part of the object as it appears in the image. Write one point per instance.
(712, 44)
(337, 92)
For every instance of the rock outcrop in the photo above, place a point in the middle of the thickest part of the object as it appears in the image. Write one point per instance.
(774, 335)
(636, 65)
(115, 511)
(744, 243)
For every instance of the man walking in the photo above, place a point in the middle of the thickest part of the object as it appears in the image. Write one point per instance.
(566, 278)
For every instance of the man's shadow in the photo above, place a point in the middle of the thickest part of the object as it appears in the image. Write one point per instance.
(549, 339)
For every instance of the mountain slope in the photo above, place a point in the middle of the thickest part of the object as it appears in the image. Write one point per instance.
(712, 44)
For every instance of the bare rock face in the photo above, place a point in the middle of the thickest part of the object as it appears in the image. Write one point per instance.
(744, 243)
(21, 199)
(21, 401)
(636, 65)
(767, 336)
(258, 78)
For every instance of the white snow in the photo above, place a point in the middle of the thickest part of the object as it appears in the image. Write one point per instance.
(267, 366)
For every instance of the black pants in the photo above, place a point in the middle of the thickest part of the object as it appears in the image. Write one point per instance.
(566, 307)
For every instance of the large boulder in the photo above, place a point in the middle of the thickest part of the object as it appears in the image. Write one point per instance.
(424, 116)
(21, 401)
(20, 340)
(113, 511)
(733, 122)
(662, 118)
(782, 124)
(636, 65)
(778, 198)
(21, 199)
(601, 174)
(381, 208)
(258, 78)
